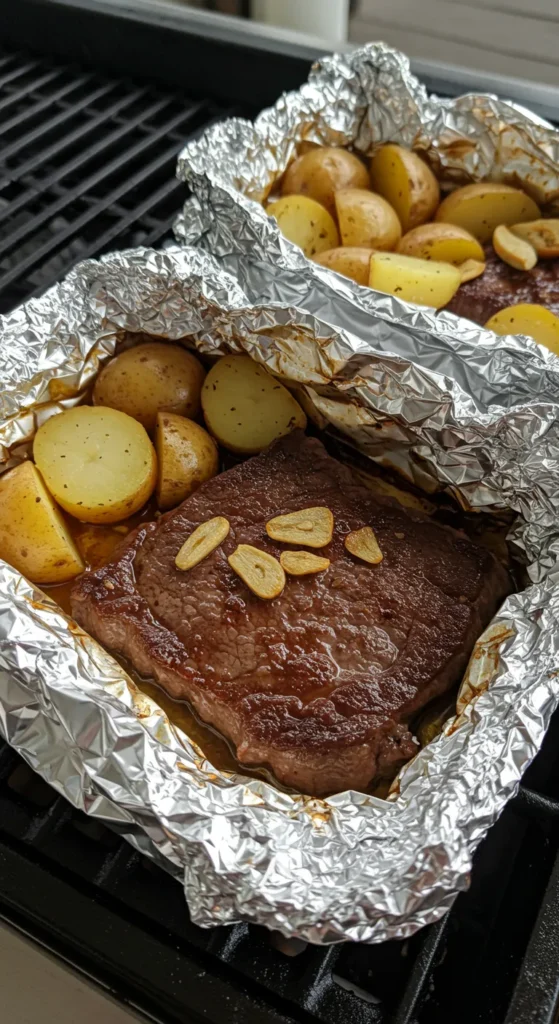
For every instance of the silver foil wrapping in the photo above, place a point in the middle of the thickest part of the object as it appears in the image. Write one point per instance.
(353, 866)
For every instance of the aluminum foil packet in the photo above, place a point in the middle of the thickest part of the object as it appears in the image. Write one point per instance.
(353, 866)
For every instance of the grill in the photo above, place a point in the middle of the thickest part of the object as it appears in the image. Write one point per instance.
(87, 165)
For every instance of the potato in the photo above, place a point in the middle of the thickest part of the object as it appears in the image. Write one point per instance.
(481, 208)
(306, 223)
(98, 463)
(321, 172)
(426, 282)
(366, 220)
(149, 378)
(444, 242)
(528, 318)
(351, 261)
(186, 457)
(245, 407)
(33, 535)
(408, 184)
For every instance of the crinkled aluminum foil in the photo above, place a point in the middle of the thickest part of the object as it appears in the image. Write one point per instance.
(354, 866)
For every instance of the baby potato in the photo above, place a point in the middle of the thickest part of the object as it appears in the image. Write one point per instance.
(444, 242)
(98, 463)
(528, 318)
(321, 172)
(426, 282)
(366, 220)
(245, 408)
(33, 535)
(481, 208)
(405, 180)
(186, 457)
(350, 260)
(149, 378)
(306, 223)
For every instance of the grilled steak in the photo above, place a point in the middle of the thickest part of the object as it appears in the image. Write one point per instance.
(320, 682)
(501, 285)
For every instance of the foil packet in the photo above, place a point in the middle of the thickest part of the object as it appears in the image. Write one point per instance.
(354, 866)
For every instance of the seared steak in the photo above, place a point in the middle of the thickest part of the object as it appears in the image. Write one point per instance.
(501, 285)
(320, 682)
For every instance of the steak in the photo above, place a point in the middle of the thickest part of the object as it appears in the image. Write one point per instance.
(501, 285)
(320, 683)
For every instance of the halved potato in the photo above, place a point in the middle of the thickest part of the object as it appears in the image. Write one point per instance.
(245, 408)
(186, 457)
(352, 261)
(423, 281)
(481, 208)
(98, 463)
(408, 184)
(366, 220)
(149, 378)
(447, 243)
(305, 223)
(33, 535)
(321, 172)
(528, 318)
(542, 234)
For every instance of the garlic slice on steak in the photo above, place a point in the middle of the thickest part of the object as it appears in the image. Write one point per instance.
(202, 541)
(363, 544)
(313, 527)
(261, 572)
(303, 563)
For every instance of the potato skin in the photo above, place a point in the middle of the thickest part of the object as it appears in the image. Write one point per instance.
(98, 463)
(187, 456)
(405, 180)
(305, 223)
(528, 318)
(483, 207)
(351, 261)
(366, 220)
(320, 172)
(245, 407)
(33, 535)
(426, 282)
(445, 242)
(151, 377)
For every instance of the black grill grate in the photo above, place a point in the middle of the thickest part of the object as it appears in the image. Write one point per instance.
(87, 164)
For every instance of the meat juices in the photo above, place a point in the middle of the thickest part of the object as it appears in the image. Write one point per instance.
(320, 683)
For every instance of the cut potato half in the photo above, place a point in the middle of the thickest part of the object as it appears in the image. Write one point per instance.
(321, 172)
(245, 408)
(408, 184)
(366, 220)
(446, 243)
(426, 282)
(33, 535)
(528, 318)
(351, 261)
(98, 463)
(186, 457)
(306, 223)
(481, 208)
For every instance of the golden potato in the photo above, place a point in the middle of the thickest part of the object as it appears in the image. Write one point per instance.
(98, 463)
(426, 282)
(186, 457)
(528, 318)
(350, 260)
(149, 378)
(33, 535)
(245, 408)
(444, 242)
(366, 220)
(321, 172)
(542, 234)
(306, 223)
(481, 208)
(408, 184)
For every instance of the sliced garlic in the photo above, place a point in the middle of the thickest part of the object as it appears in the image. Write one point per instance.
(363, 544)
(542, 234)
(302, 563)
(514, 250)
(470, 269)
(259, 570)
(202, 541)
(313, 527)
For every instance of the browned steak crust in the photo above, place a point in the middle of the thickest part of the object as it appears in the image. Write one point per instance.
(319, 683)
(501, 285)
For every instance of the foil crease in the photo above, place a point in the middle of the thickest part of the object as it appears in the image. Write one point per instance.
(354, 866)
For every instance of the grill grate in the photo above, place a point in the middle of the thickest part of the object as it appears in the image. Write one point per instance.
(87, 164)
